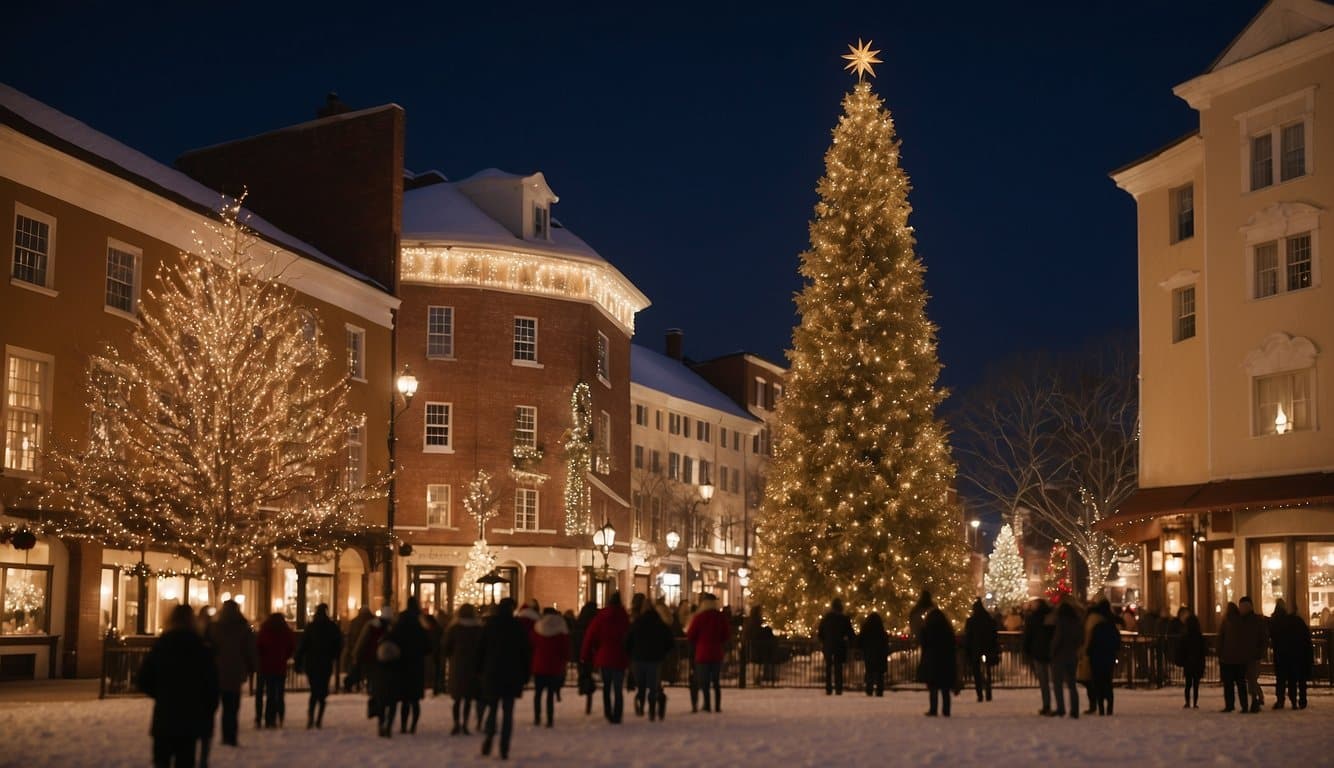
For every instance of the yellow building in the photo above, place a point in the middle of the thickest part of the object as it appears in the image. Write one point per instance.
(88, 221)
(1236, 328)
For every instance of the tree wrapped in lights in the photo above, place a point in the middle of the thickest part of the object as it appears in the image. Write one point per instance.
(857, 502)
(480, 503)
(222, 432)
(1056, 583)
(1006, 580)
(578, 461)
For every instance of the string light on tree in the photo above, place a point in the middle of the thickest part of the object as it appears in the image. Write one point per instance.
(1006, 580)
(480, 504)
(857, 503)
(579, 461)
(1056, 579)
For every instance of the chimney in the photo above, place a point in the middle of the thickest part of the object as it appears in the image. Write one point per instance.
(332, 106)
(676, 341)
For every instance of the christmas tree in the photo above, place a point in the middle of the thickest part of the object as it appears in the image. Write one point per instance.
(1056, 579)
(1006, 580)
(857, 503)
(480, 503)
(223, 433)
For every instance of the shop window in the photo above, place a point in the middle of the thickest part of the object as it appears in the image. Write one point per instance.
(26, 608)
(1318, 557)
(1224, 581)
(1272, 570)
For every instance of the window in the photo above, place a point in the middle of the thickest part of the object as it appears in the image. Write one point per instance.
(758, 400)
(1183, 213)
(1183, 313)
(655, 463)
(355, 472)
(703, 431)
(440, 332)
(655, 518)
(525, 509)
(437, 506)
(1292, 147)
(34, 238)
(674, 423)
(687, 469)
(736, 480)
(310, 326)
(525, 339)
(356, 353)
(26, 408)
(122, 277)
(705, 477)
(525, 426)
(26, 607)
(1283, 402)
(685, 426)
(1262, 161)
(541, 221)
(639, 457)
(1266, 270)
(1299, 262)
(641, 415)
(637, 502)
(722, 436)
(438, 433)
(778, 392)
(657, 420)
(604, 360)
(604, 442)
(673, 465)
(736, 441)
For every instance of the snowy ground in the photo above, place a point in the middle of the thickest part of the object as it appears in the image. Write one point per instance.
(787, 727)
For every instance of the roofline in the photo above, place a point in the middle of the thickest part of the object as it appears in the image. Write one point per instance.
(749, 419)
(1155, 153)
(1237, 38)
(298, 127)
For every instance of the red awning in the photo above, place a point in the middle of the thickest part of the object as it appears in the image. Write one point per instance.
(1221, 495)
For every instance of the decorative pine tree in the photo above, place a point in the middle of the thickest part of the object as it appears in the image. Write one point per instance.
(1056, 582)
(480, 503)
(578, 461)
(222, 432)
(1006, 580)
(857, 503)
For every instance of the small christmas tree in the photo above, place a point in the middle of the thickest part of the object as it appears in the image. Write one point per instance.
(480, 503)
(1056, 579)
(1006, 580)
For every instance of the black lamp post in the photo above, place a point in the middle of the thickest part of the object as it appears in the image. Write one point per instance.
(405, 386)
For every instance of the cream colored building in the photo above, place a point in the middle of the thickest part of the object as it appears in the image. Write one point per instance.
(1236, 330)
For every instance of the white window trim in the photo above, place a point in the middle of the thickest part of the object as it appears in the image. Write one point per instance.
(48, 387)
(448, 447)
(1280, 353)
(135, 287)
(758, 391)
(362, 333)
(606, 354)
(449, 507)
(516, 424)
(537, 510)
(452, 351)
(537, 347)
(1173, 214)
(1276, 223)
(1194, 312)
(1250, 128)
(1313, 405)
(50, 221)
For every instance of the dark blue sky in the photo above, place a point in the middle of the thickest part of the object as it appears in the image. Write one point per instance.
(685, 140)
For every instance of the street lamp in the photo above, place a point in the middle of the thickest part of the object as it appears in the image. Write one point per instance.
(674, 539)
(975, 524)
(604, 539)
(405, 386)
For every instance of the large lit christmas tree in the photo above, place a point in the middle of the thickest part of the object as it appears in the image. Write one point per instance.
(857, 504)
(1006, 580)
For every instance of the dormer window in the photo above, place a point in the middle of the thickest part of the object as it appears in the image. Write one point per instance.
(541, 222)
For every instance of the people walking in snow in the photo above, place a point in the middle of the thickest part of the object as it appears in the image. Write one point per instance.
(939, 665)
(1036, 643)
(180, 676)
(1066, 640)
(1256, 633)
(648, 643)
(983, 648)
(276, 643)
(354, 677)
(460, 650)
(587, 686)
(550, 639)
(368, 653)
(708, 634)
(1235, 646)
(874, 643)
(1190, 652)
(1102, 645)
(835, 633)
(604, 648)
(320, 646)
(407, 671)
(1294, 656)
(233, 644)
(504, 658)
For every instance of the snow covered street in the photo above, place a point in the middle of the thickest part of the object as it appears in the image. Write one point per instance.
(786, 727)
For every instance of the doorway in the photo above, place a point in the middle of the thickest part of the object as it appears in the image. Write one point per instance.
(433, 588)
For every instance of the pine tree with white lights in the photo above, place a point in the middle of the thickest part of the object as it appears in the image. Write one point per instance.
(222, 432)
(480, 503)
(1006, 580)
(857, 503)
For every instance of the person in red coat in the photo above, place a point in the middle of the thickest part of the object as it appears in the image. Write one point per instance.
(275, 644)
(708, 633)
(604, 647)
(550, 639)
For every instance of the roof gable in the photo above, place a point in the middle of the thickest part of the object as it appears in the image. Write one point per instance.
(1279, 22)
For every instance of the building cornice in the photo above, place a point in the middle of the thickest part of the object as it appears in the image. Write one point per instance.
(1172, 165)
(525, 272)
(1199, 92)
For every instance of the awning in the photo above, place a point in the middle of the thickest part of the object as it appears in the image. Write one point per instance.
(1148, 504)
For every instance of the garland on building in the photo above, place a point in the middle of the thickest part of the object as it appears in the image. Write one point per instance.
(1056, 581)
(1006, 580)
(579, 461)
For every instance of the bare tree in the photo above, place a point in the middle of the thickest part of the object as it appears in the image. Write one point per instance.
(1058, 438)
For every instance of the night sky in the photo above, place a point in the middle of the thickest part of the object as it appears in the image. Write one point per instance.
(685, 141)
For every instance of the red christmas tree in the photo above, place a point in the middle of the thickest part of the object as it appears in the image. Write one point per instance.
(1056, 580)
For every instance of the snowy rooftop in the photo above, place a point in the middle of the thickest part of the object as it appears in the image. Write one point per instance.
(90, 145)
(664, 374)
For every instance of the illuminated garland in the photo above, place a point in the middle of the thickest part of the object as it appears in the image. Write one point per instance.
(579, 461)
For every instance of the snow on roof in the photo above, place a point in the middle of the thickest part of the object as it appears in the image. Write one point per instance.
(657, 371)
(442, 213)
(146, 172)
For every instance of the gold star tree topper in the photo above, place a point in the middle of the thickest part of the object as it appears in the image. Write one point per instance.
(860, 58)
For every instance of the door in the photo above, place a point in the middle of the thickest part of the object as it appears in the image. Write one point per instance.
(433, 589)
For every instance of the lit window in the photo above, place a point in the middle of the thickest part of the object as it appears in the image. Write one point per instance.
(1292, 146)
(525, 426)
(437, 506)
(1183, 313)
(1183, 213)
(1292, 274)
(438, 432)
(525, 509)
(356, 353)
(1262, 161)
(439, 331)
(122, 271)
(1299, 261)
(34, 234)
(355, 474)
(759, 393)
(26, 409)
(1283, 402)
(604, 361)
(525, 339)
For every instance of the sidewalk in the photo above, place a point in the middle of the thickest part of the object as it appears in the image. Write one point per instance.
(20, 691)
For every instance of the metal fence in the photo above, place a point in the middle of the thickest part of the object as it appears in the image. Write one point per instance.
(1144, 661)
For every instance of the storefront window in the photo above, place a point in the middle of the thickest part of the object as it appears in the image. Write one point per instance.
(26, 606)
(1224, 579)
(1319, 560)
(319, 589)
(1271, 576)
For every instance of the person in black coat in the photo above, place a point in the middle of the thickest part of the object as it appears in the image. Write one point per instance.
(504, 658)
(179, 675)
(874, 642)
(648, 643)
(1190, 652)
(1103, 646)
(983, 647)
(939, 665)
(459, 650)
(1037, 649)
(320, 645)
(836, 635)
(587, 687)
(408, 671)
(1293, 656)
